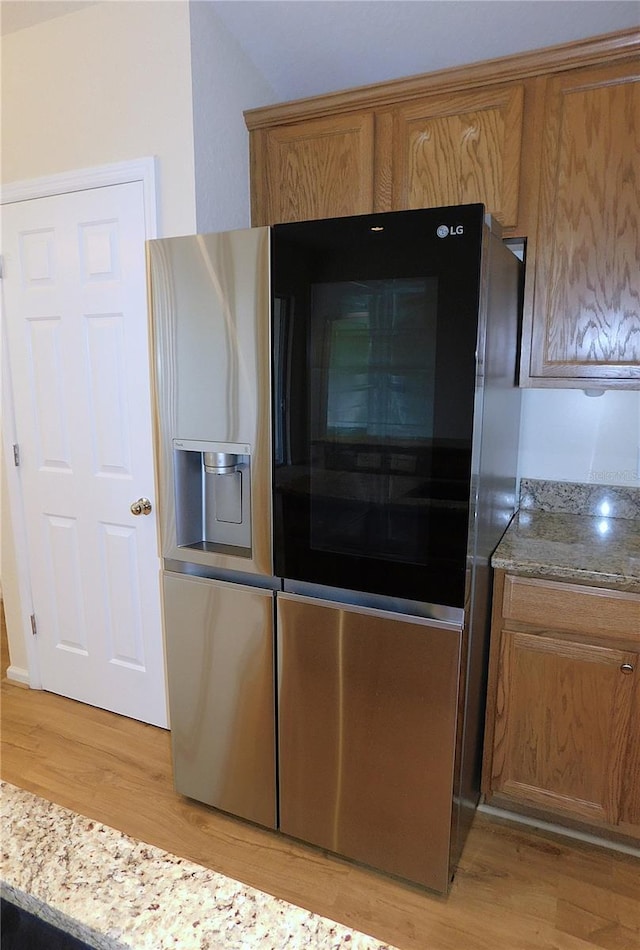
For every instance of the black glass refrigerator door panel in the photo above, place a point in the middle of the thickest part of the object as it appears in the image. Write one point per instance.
(375, 322)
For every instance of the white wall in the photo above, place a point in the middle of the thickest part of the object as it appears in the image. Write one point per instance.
(568, 436)
(225, 83)
(108, 83)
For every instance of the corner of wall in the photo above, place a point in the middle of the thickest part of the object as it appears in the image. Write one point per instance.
(224, 82)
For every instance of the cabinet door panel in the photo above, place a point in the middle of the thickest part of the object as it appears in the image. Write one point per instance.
(321, 168)
(562, 719)
(630, 800)
(460, 149)
(586, 321)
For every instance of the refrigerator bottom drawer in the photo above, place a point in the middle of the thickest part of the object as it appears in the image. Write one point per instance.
(367, 731)
(219, 640)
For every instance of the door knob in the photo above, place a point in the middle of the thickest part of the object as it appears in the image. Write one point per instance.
(626, 668)
(141, 507)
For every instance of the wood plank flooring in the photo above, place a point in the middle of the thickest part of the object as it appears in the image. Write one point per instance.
(516, 888)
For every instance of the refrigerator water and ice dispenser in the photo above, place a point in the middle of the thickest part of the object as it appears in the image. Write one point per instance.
(213, 496)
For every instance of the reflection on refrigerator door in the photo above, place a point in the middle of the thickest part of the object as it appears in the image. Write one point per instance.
(368, 705)
(221, 694)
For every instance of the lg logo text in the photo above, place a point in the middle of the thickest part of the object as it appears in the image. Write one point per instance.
(445, 231)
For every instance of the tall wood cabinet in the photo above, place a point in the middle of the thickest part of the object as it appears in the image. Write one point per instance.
(548, 141)
(585, 320)
(563, 718)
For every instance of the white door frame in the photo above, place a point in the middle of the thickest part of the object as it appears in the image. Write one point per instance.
(100, 176)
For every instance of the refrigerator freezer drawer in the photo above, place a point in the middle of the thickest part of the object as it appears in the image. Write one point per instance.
(367, 725)
(221, 694)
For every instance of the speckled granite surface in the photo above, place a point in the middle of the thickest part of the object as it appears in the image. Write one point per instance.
(579, 498)
(114, 892)
(579, 533)
(599, 552)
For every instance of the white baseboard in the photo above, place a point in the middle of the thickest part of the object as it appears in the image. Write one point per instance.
(559, 829)
(16, 674)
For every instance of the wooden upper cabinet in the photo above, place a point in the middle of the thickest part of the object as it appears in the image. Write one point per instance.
(585, 323)
(547, 140)
(319, 168)
(459, 148)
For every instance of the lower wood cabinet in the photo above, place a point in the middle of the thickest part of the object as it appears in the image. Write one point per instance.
(563, 716)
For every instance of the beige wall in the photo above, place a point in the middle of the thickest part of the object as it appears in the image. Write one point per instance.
(11, 591)
(109, 83)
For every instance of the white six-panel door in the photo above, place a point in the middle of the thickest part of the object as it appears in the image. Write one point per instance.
(76, 309)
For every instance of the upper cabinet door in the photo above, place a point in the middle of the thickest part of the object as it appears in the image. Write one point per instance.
(460, 148)
(586, 307)
(318, 168)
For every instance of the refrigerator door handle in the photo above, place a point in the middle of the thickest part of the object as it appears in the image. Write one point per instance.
(452, 622)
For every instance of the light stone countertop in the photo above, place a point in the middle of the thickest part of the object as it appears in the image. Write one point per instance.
(114, 892)
(581, 549)
(578, 498)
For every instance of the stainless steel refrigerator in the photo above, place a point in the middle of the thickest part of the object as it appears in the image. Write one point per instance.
(337, 427)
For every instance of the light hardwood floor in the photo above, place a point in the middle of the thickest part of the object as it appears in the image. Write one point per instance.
(515, 889)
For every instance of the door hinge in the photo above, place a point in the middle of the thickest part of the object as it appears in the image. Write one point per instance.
(34, 626)
(1, 266)
(16, 454)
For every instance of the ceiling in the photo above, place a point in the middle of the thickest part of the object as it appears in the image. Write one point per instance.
(307, 47)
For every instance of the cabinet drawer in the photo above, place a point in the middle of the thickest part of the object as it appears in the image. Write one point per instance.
(558, 606)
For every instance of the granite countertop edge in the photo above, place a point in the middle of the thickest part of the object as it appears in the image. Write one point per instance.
(574, 548)
(51, 915)
(568, 575)
(116, 893)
